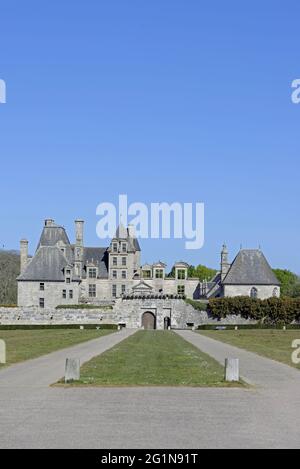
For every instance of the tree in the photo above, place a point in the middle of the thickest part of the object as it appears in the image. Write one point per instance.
(9, 270)
(290, 283)
(201, 272)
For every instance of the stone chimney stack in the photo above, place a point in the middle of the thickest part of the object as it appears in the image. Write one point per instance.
(225, 265)
(131, 231)
(23, 254)
(79, 224)
(49, 222)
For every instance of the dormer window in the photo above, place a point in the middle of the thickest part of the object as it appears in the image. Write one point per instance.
(68, 272)
(147, 273)
(181, 274)
(115, 247)
(124, 247)
(92, 272)
(159, 273)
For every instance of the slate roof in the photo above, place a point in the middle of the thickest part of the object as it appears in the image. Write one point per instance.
(122, 233)
(250, 267)
(52, 235)
(47, 265)
(99, 257)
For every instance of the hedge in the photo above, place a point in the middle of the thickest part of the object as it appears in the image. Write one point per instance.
(84, 306)
(269, 311)
(231, 327)
(12, 327)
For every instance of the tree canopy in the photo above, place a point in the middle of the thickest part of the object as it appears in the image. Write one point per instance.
(290, 282)
(9, 271)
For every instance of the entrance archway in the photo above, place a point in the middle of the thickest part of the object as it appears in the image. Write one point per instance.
(148, 321)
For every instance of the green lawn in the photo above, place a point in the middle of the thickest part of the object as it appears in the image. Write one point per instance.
(25, 344)
(271, 343)
(153, 358)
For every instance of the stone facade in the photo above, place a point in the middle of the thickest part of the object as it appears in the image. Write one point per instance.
(61, 273)
(127, 313)
(262, 291)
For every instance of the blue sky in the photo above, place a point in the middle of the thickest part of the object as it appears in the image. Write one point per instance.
(186, 101)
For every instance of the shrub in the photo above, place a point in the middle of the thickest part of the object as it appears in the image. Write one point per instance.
(269, 311)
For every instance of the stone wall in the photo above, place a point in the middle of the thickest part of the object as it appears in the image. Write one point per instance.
(263, 291)
(127, 312)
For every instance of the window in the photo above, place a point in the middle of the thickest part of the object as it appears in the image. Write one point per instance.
(68, 280)
(181, 274)
(124, 274)
(64, 294)
(124, 247)
(275, 292)
(71, 294)
(159, 273)
(115, 261)
(114, 274)
(146, 273)
(68, 272)
(42, 302)
(92, 273)
(114, 291)
(253, 292)
(42, 287)
(115, 247)
(123, 289)
(92, 291)
(124, 261)
(181, 290)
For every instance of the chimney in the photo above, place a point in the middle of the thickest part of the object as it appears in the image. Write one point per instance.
(49, 222)
(131, 231)
(79, 247)
(79, 232)
(225, 265)
(23, 254)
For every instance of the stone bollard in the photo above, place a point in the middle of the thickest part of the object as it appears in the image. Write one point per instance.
(284, 328)
(72, 370)
(81, 328)
(232, 372)
(2, 352)
(236, 328)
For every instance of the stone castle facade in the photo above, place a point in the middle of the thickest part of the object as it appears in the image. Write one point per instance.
(61, 273)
